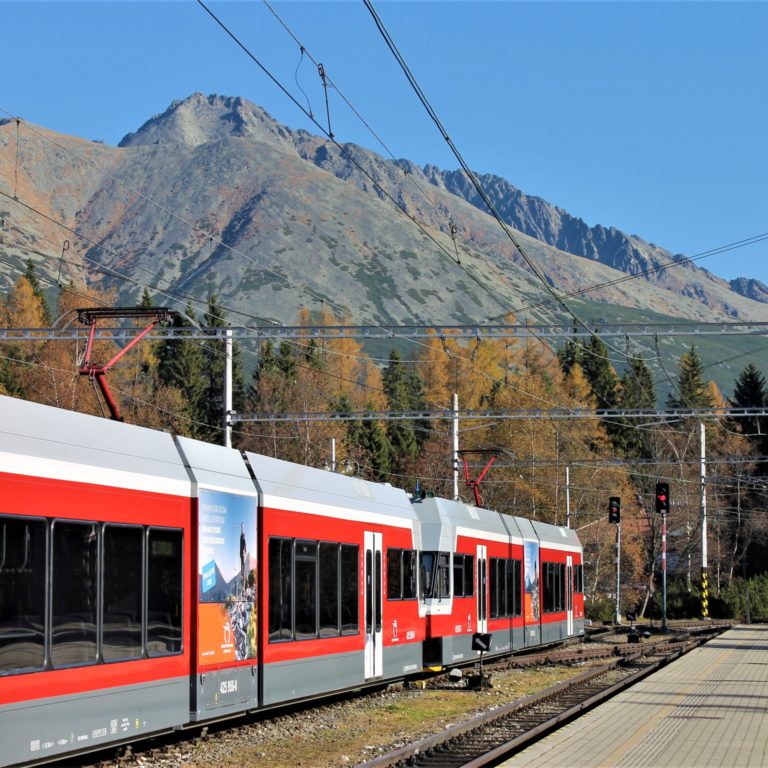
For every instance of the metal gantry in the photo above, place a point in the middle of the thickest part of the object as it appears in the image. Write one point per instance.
(456, 332)
(667, 415)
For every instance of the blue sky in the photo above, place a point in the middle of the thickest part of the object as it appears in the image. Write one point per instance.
(648, 116)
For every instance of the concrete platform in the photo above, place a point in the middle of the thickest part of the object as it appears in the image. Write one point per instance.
(708, 708)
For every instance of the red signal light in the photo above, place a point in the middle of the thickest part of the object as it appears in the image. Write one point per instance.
(662, 497)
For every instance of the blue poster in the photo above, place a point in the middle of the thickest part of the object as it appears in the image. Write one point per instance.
(226, 545)
(227, 579)
(531, 551)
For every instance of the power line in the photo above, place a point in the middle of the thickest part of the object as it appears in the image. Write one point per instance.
(469, 173)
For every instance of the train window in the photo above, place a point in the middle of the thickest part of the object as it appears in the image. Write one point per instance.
(280, 589)
(434, 574)
(164, 591)
(350, 580)
(506, 587)
(554, 587)
(458, 575)
(22, 594)
(514, 588)
(377, 596)
(442, 584)
(73, 593)
(401, 574)
(394, 574)
(469, 575)
(578, 578)
(548, 598)
(410, 570)
(463, 575)
(305, 572)
(122, 592)
(329, 589)
(498, 588)
(368, 591)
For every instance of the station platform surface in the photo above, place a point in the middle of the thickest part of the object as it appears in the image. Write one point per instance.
(707, 708)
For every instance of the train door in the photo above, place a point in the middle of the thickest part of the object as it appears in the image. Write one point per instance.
(374, 640)
(569, 594)
(482, 588)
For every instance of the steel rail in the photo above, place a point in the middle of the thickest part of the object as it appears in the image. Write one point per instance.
(437, 750)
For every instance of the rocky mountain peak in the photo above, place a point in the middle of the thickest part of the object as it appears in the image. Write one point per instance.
(750, 288)
(200, 119)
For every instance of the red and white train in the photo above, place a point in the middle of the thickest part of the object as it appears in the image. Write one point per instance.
(150, 582)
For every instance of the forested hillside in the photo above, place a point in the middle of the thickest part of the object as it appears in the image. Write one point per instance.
(177, 385)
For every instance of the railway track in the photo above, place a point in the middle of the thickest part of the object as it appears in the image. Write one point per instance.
(488, 738)
(250, 737)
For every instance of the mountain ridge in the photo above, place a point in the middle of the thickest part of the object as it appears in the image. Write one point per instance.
(214, 195)
(532, 215)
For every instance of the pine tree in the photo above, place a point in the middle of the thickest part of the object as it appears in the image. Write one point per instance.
(637, 392)
(399, 388)
(599, 372)
(571, 354)
(376, 445)
(751, 392)
(145, 302)
(692, 389)
(181, 365)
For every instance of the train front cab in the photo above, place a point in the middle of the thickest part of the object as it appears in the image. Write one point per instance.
(94, 610)
(482, 572)
(328, 544)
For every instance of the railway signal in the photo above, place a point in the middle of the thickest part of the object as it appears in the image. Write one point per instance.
(614, 510)
(662, 498)
(614, 516)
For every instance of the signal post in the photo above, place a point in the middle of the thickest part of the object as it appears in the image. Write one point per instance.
(662, 507)
(614, 516)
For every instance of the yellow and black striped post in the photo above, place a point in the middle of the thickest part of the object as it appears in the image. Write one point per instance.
(704, 594)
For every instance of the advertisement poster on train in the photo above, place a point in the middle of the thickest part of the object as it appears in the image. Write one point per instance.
(531, 549)
(227, 577)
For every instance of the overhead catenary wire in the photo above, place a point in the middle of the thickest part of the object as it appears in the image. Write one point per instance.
(465, 167)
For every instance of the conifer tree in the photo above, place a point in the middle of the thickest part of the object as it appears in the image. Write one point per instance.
(637, 392)
(378, 454)
(571, 354)
(692, 389)
(181, 365)
(751, 392)
(405, 392)
(599, 372)
(145, 302)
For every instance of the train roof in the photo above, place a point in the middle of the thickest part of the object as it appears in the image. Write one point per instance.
(442, 520)
(556, 535)
(216, 467)
(65, 445)
(284, 485)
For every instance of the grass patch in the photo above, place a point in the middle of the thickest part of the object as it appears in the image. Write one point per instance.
(350, 732)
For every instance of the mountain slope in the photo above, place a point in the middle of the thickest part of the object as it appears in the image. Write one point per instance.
(216, 196)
